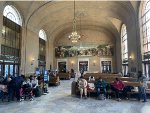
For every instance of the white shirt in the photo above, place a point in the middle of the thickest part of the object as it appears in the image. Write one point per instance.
(34, 83)
(82, 83)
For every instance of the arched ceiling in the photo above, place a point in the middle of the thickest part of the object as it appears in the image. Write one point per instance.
(56, 17)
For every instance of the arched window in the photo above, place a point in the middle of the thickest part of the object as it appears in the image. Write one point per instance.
(124, 42)
(124, 47)
(42, 51)
(145, 25)
(11, 13)
(42, 35)
(11, 42)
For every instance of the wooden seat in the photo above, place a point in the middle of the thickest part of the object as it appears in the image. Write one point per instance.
(64, 76)
(54, 80)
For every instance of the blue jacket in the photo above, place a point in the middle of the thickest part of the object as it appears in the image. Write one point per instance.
(100, 84)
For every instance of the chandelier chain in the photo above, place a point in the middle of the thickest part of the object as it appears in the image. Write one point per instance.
(74, 37)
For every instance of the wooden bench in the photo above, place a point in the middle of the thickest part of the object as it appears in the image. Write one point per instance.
(54, 80)
(97, 75)
(136, 84)
(110, 81)
(89, 91)
(64, 76)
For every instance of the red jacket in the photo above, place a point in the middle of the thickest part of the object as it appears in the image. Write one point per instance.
(118, 85)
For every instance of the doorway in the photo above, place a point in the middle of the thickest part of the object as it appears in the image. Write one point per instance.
(62, 67)
(11, 69)
(83, 65)
(106, 66)
(125, 69)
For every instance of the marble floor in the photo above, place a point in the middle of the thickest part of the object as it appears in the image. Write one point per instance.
(59, 100)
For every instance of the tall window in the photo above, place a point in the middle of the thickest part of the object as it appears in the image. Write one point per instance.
(124, 49)
(145, 17)
(10, 45)
(42, 51)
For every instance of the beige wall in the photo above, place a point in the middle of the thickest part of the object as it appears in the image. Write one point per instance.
(90, 37)
(32, 51)
(72, 63)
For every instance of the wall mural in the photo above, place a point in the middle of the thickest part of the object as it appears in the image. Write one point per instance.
(72, 51)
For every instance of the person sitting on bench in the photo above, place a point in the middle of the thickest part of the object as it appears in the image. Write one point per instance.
(82, 83)
(100, 86)
(118, 87)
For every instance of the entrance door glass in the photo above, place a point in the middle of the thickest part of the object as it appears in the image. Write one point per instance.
(125, 70)
(0, 70)
(16, 70)
(147, 69)
(11, 70)
(6, 70)
(41, 70)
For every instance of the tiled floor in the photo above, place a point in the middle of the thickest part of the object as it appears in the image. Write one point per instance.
(59, 100)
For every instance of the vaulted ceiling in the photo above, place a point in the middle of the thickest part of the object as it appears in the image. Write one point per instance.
(55, 17)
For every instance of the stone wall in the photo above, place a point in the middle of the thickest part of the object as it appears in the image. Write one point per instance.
(89, 38)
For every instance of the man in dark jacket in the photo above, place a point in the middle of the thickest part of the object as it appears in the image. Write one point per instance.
(100, 86)
(18, 83)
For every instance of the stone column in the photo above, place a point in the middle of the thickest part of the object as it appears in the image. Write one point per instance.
(1, 21)
(50, 55)
(23, 51)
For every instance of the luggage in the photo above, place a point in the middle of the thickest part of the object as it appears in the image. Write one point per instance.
(101, 97)
(37, 92)
(73, 88)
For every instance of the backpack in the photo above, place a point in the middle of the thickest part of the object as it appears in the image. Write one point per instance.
(101, 97)
(38, 92)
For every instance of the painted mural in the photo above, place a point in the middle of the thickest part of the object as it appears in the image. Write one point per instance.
(72, 51)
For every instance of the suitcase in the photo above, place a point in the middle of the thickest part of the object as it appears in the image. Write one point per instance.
(73, 88)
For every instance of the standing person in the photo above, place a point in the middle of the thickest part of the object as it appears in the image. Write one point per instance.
(118, 86)
(142, 88)
(11, 88)
(18, 83)
(72, 73)
(82, 71)
(82, 87)
(100, 86)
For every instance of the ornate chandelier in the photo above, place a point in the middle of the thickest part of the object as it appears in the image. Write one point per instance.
(74, 36)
